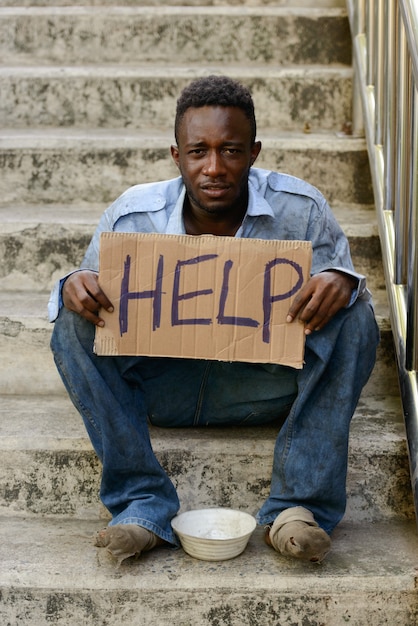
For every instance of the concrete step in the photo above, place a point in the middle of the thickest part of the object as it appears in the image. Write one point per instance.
(27, 367)
(135, 3)
(51, 573)
(54, 184)
(126, 34)
(143, 96)
(41, 243)
(47, 465)
(71, 165)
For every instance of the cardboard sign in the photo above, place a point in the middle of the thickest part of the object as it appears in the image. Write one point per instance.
(202, 297)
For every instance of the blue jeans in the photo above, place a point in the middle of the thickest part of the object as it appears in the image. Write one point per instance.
(116, 396)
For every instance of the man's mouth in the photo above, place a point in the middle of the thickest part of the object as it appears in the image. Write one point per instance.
(215, 190)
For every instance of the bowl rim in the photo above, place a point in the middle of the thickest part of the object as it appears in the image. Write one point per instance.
(226, 510)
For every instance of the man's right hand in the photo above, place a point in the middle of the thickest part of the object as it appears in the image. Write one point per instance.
(81, 293)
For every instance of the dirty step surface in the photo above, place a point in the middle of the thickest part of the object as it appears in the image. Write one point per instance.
(47, 465)
(72, 165)
(205, 34)
(141, 96)
(51, 572)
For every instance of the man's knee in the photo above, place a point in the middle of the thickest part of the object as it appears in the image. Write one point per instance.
(351, 334)
(358, 339)
(360, 324)
(70, 329)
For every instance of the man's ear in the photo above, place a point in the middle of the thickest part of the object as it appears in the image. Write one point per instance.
(175, 155)
(255, 151)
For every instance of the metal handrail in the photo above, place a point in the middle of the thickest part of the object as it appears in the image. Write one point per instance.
(385, 109)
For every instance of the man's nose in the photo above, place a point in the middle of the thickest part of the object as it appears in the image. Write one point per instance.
(214, 165)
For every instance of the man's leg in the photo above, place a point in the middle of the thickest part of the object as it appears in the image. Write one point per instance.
(134, 487)
(310, 457)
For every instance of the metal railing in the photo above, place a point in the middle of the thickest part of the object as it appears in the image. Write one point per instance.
(385, 109)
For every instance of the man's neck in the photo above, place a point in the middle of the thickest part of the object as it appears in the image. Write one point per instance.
(221, 226)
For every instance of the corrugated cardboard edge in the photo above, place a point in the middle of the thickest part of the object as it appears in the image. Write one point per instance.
(106, 345)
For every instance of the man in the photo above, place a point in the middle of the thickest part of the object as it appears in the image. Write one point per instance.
(218, 192)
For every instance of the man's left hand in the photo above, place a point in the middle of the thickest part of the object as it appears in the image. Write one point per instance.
(321, 298)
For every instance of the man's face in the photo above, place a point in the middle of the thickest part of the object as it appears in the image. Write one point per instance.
(214, 155)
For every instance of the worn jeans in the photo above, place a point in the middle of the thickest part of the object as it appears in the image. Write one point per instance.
(116, 396)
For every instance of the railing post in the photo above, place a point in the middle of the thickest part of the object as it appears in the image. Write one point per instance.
(394, 167)
(361, 16)
(358, 27)
(370, 38)
(412, 307)
(379, 66)
(403, 147)
(390, 105)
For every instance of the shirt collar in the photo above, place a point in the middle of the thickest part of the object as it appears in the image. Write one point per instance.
(257, 205)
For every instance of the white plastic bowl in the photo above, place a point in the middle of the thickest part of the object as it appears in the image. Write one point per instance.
(214, 534)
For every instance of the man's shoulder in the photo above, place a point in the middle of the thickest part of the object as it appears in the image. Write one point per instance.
(146, 197)
(268, 182)
(140, 201)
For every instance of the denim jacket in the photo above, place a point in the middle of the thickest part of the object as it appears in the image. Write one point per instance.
(279, 207)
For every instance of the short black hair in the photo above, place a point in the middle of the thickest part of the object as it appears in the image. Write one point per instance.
(216, 91)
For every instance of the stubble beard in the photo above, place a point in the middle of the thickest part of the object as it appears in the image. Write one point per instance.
(223, 210)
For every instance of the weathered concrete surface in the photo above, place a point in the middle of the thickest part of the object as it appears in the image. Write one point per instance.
(51, 573)
(225, 34)
(27, 366)
(47, 465)
(276, 3)
(39, 244)
(62, 166)
(144, 95)
(74, 137)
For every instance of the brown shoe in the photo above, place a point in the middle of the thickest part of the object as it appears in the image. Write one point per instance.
(125, 540)
(295, 533)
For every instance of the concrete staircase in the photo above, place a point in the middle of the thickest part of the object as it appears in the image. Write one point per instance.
(86, 109)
